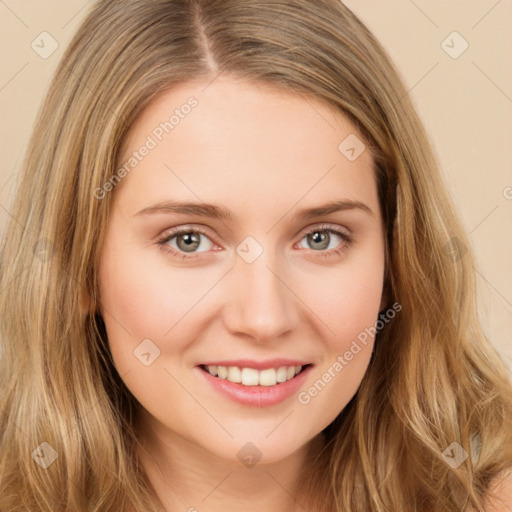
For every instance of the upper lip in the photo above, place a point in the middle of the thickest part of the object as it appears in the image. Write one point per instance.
(257, 365)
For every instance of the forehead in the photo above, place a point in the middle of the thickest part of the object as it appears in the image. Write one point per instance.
(244, 144)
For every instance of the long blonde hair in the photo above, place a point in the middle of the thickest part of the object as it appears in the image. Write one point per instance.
(434, 379)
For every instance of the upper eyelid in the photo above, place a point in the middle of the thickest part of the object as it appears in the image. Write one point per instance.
(322, 226)
(186, 228)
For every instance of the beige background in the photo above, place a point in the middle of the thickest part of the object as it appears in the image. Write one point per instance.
(465, 102)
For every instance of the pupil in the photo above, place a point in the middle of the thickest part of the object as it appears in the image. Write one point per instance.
(321, 238)
(191, 241)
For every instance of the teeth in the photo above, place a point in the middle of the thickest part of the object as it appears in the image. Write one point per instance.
(281, 374)
(249, 377)
(253, 377)
(268, 377)
(234, 374)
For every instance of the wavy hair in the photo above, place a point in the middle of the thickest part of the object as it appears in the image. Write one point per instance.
(434, 378)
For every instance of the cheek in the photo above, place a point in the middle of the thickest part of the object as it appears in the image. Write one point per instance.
(350, 315)
(346, 297)
(347, 302)
(143, 299)
(145, 296)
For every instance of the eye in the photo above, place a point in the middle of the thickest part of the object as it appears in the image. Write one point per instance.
(321, 238)
(185, 242)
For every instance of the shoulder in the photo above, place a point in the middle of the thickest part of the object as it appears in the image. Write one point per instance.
(499, 496)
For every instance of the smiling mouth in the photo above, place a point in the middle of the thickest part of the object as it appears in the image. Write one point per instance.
(252, 377)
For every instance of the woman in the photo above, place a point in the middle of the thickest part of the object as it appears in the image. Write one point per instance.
(239, 279)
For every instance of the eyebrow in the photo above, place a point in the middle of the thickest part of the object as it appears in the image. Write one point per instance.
(333, 207)
(219, 212)
(187, 208)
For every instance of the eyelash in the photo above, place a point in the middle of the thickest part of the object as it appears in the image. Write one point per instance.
(346, 243)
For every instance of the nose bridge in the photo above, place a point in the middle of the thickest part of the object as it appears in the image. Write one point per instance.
(260, 304)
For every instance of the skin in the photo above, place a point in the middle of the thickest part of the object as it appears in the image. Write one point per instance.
(264, 154)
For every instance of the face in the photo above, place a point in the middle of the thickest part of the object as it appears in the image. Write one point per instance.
(279, 264)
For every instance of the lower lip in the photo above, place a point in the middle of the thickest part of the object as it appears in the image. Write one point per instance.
(256, 396)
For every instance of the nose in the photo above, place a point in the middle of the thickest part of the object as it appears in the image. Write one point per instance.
(261, 304)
